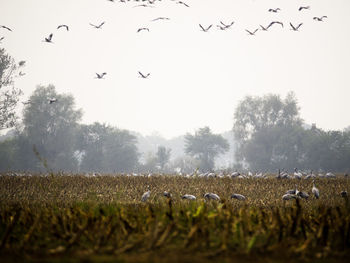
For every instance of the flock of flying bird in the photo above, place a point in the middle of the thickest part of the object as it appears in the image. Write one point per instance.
(151, 4)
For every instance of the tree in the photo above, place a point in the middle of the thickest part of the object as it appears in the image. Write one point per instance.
(163, 156)
(107, 149)
(264, 128)
(205, 146)
(50, 128)
(9, 95)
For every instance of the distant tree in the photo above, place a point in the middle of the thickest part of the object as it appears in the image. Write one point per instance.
(329, 151)
(205, 146)
(266, 131)
(7, 154)
(107, 149)
(163, 156)
(50, 128)
(9, 95)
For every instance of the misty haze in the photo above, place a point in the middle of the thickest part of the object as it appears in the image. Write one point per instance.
(134, 129)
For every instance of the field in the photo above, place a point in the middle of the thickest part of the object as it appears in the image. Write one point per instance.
(97, 219)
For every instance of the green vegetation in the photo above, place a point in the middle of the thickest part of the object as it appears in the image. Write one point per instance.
(60, 216)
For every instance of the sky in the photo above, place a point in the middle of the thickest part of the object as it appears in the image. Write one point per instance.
(196, 78)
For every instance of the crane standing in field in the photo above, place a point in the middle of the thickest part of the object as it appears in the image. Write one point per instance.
(315, 191)
(146, 195)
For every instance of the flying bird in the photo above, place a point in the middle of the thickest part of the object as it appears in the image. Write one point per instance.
(238, 197)
(1, 39)
(100, 76)
(304, 7)
(26, 102)
(252, 33)
(265, 28)
(99, 26)
(143, 75)
(63, 26)
(275, 22)
(205, 29)
(48, 39)
(5, 27)
(52, 100)
(160, 18)
(142, 28)
(182, 3)
(21, 63)
(320, 18)
(227, 25)
(143, 5)
(274, 10)
(295, 28)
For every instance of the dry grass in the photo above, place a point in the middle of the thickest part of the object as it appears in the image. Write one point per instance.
(76, 215)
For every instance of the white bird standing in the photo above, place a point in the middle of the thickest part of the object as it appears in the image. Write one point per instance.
(188, 197)
(146, 195)
(238, 197)
(315, 191)
(211, 196)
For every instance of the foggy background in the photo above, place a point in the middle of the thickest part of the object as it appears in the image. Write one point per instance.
(196, 79)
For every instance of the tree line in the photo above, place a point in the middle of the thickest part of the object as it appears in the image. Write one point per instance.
(268, 131)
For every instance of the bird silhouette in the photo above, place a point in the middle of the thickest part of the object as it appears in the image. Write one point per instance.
(99, 26)
(142, 28)
(143, 5)
(143, 75)
(160, 18)
(320, 18)
(100, 76)
(304, 7)
(48, 39)
(63, 26)
(182, 3)
(227, 25)
(264, 28)
(275, 22)
(295, 28)
(5, 27)
(252, 33)
(26, 102)
(21, 63)
(274, 10)
(52, 100)
(205, 29)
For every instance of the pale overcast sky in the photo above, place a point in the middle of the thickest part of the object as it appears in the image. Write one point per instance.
(197, 78)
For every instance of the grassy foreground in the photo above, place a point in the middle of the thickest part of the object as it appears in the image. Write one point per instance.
(98, 219)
